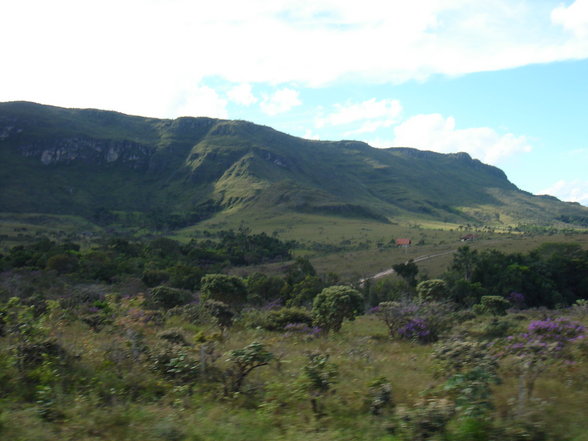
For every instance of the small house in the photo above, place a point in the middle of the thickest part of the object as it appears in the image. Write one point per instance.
(403, 243)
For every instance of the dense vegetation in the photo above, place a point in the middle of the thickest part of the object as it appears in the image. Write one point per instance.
(154, 340)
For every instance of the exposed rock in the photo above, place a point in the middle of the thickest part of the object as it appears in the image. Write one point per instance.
(90, 151)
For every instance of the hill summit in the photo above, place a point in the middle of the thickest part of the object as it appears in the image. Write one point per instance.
(96, 163)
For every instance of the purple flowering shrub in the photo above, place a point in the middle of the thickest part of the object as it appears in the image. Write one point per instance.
(415, 329)
(560, 330)
(422, 322)
(532, 352)
(545, 339)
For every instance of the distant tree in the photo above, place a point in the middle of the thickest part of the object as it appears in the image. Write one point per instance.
(303, 292)
(63, 263)
(98, 265)
(263, 288)
(185, 276)
(388, 289)
(464, 261)
(335, 304)
(224, 288)
(299, 270)
(466, 293)
(167, 297)
(408, 271)
(432, 290)
(154, 277)
(163, 248)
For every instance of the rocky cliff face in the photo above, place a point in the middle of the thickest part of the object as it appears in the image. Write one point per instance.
(89, 151)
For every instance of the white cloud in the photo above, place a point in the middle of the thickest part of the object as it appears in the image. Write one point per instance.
(373, 114)
(280, 101)
(571, 191)
(139, 54)
(308, 134)
(438, 133)
(242, 94)
(573, 17)
(201, 101)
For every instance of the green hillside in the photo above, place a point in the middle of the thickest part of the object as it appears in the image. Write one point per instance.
(110, 167)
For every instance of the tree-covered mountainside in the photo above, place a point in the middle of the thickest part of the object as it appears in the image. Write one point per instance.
(108, 167)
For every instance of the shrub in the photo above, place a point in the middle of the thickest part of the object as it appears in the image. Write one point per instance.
(334, 304)
(426, 420)
(319, 375)
(497, 328)
(279, 319)
(243, 361)
(185, 276)
(263, 289)
(380, 396)
(220, 313)
(495, 305)
(471, 370)
(223, 288)
(173, 335)
(421, 322)
(166, 297)
(175, 363)
(432, 290)
(387, 289)
(545, 342)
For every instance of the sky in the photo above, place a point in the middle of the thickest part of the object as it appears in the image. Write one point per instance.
(504, 80)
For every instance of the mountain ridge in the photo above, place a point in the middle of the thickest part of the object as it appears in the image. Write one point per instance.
(77, 161)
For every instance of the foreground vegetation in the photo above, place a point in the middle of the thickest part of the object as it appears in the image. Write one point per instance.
(132, 340)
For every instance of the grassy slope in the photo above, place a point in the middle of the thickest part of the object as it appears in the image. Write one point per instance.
(241, 165)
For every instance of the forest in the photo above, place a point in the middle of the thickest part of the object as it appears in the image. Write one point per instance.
(116, 338)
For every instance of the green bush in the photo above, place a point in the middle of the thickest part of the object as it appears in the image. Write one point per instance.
(175, 362)
(243, 362)
(432, 290)
(277, 320)
(223, 288)
(498, 328)
(166, 297)
(335, 304)
(494, 305)
(219, 312)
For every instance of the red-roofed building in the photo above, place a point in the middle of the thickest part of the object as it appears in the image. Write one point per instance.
(403, 242)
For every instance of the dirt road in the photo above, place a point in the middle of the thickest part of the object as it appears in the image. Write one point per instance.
(415, 260)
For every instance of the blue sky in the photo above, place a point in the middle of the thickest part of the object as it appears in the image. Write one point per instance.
(504, 80)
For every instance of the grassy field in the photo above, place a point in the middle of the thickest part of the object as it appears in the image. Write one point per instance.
(16, 228)
(351, 248)
(124, 399)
